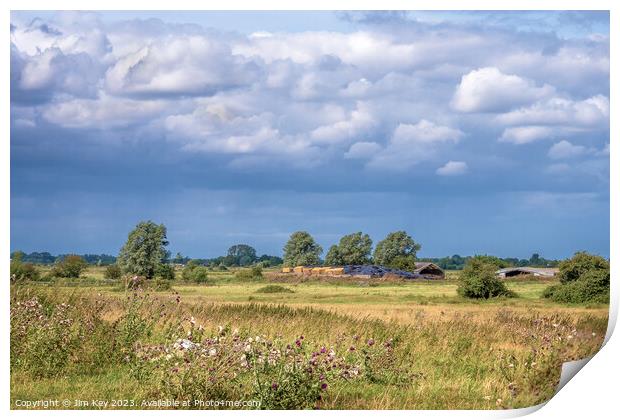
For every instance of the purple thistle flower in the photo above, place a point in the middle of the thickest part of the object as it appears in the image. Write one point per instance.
(274, 386)
(323, 386)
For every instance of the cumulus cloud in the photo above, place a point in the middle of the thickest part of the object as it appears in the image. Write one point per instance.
(185, 65)
(382, 94)
(527, 134)
(489, 90)
(591, 112)
(452, 168)
(104, 112)
(413, 143)
(565, 150)
(359, 121)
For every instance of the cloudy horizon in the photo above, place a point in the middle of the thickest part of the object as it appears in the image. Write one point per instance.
(476, 132)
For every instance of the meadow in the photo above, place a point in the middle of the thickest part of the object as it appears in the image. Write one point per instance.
(293, 342)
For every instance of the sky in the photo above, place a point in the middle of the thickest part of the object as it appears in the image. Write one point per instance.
(475, 132)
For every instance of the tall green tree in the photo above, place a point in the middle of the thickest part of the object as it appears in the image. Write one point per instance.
(352, 249)
(145, 250)
(333, 256)
(301, 249)
(241, 254)
(396, 248)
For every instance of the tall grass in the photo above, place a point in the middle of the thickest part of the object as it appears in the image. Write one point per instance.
(143, 346)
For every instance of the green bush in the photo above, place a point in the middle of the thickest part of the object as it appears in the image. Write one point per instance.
(162, 284)
(479, 281)
(584, 279)
(274, 288)
(250, 274)
(113, 272)
(580, 264)
(165, 272)
(23, 271)
(195, 273)
(70, 266)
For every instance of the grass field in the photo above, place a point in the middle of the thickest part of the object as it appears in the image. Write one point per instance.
(434, 349)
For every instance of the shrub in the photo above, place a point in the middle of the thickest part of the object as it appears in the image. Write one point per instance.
(581, 263)
(165, 272)
(23, 271)
(273, 288)
(584, 278)
(250, 274)
(113, 272)
(162, 284)
(591, 287)
(70, 266)
(195, 273)
(478, 281)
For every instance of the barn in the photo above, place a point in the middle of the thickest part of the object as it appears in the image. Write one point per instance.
(429, 270)
(526, 271)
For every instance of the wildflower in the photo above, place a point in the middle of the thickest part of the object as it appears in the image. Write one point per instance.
(323, 349)
(274, 386)
(370, 342)
(323, 386)
(212, 352)
(352, 348)
(298, 343)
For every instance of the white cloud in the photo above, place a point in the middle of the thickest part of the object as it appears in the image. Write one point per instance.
(413, 143)
(527, 134)
(425, 132)
(104, 112)
(452, 168)
(565, 150)
(362, 150)
(591, 112)
(359, 121)
(183, 65)
(489, 90)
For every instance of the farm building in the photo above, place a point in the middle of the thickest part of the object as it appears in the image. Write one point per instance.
(526, 271)
(429, 270)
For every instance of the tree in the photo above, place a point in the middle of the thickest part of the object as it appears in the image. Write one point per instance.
(479, 281)
(353, 249)
(269, 260)
(241, 254)
(333, 256)
(396, 244)
(144, 250)
(70, 266)
(301, 249)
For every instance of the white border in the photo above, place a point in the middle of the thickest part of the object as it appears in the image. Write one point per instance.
(593, 393)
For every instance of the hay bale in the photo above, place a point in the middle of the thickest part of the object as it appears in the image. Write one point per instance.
(299, 269)
(337, 271)
(287, 270)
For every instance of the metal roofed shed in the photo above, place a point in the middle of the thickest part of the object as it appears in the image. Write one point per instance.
(526, 271)
(429, 270)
